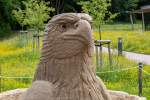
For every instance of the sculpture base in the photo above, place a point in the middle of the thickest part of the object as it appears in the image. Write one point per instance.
(116, 95)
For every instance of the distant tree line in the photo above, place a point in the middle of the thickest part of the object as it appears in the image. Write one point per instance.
(8, 21)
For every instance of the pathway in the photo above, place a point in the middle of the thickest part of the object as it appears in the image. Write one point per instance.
(145, 59)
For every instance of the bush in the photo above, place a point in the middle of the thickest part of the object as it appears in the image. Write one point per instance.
(4, 29)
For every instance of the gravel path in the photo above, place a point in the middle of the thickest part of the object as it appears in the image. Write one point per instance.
(12, 94)
(145, 59)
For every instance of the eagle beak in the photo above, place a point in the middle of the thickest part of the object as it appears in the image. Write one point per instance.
(81, 32)
(84, 30)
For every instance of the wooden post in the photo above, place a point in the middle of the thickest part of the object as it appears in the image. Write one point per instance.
(34, 40)
(24, 34)
(97, 59)
(131, 18)
(110, 58)
(26, 42)
(119, 46)
(27, 33)
(101, 56)
(38, 42)
(100, 48)
(140, 79)
(0, 79)
(143, 22)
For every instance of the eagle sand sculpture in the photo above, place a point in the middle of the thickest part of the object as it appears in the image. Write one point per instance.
(65, 70)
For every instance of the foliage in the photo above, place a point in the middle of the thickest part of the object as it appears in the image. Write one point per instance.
(144, 2)
(37, 13)
(63, 6)
(6, 20)
(6, 7)
(122, 6)
(20, 16)
(4, 29)
(34, 14)
(98, 9)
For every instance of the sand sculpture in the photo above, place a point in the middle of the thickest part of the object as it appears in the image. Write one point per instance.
(65, 70)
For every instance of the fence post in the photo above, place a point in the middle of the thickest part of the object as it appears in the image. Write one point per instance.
(119, 46)
(33, 42)
(97, 58)
(101, 56)
(0, 79)
(110, 58)
(140, 79)
(38, 42)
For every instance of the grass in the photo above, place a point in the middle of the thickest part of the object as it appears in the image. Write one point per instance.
(126, 26)
(123, 76)
(19, 65)
(132, 41)
(18, 60)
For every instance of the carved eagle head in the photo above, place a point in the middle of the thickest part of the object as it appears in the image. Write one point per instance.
(67, 35)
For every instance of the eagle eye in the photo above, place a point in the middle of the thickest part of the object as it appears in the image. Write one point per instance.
(63, 27)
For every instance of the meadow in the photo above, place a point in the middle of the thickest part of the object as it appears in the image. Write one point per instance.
(17, 60)
(133, 40)
(18, 63)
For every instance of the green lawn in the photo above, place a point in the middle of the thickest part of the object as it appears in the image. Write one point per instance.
(18, 60)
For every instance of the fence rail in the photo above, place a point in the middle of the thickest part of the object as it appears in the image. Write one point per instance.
(147, 76)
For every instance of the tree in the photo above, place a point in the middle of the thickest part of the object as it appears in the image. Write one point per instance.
(122, 6)
(145, 2)
(34, 15)
(62, 6)
(20, 16)
(6, 20)
(98, 9)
